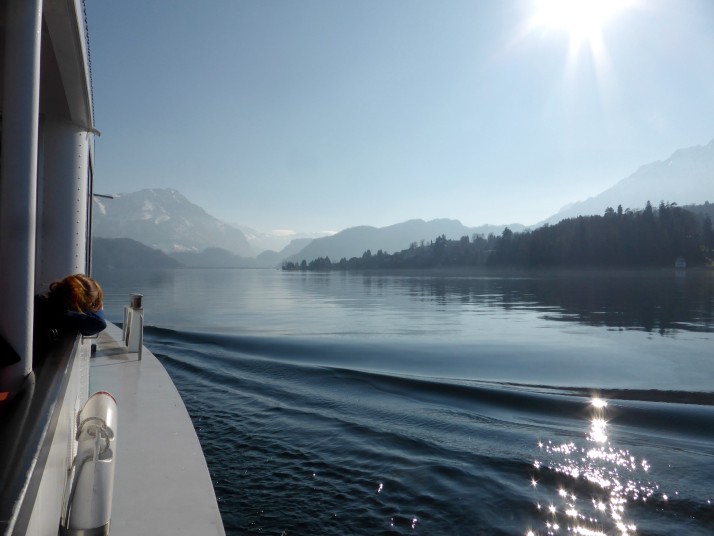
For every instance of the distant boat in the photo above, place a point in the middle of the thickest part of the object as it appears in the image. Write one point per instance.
(680, 263)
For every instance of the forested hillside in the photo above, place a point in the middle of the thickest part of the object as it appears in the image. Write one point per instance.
(647, 238)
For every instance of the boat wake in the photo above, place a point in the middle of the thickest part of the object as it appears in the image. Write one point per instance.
(301, 437)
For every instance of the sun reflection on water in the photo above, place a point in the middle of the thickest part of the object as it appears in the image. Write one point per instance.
(616, 477)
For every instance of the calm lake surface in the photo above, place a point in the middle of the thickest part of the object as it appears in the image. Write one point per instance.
(424, 403)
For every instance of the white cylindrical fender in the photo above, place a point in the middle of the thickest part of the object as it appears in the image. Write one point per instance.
(89, 502)
(100, 410)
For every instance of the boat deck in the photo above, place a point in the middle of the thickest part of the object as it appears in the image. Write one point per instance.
(162, 484)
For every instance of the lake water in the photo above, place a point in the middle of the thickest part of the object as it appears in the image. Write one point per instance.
(424, 403)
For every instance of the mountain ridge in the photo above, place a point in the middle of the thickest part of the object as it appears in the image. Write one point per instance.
(354, 241)
(686, 177)
(168, 221)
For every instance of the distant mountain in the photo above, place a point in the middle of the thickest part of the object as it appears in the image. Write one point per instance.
(295, 246)
(273, 259)
(276, 240)
(211, 258)
(686, 177)
(269, 259)
(125, 253)
(222, 258)
(353, 242)
(166, 220)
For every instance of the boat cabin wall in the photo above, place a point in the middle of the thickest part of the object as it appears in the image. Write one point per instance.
(46, 149)
(63, 192)
(45, 159)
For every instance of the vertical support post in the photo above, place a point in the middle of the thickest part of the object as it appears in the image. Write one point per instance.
(18, 178)
(63, 192)
(133, 332)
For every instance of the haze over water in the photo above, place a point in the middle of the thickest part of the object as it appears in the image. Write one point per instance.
(421, 403)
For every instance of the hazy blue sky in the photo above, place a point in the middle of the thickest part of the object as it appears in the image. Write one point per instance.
(326, 114)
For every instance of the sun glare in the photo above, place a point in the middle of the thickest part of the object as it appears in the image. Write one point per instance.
(583, 20)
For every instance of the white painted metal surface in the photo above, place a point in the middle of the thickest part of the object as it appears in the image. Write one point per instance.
(63, 193)
(162, 485)
(162, 482)
(47, 509)
(133, 333)
(18, 188)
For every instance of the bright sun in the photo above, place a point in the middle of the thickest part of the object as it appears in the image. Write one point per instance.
(581, 19)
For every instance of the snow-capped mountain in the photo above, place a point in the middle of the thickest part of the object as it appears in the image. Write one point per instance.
(166, 220)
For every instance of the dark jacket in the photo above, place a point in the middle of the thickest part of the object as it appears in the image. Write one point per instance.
(53, 320)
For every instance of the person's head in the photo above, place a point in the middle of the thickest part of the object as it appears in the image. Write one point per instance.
(79, 293)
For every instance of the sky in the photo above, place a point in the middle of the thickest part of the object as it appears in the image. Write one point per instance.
(319, 115)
